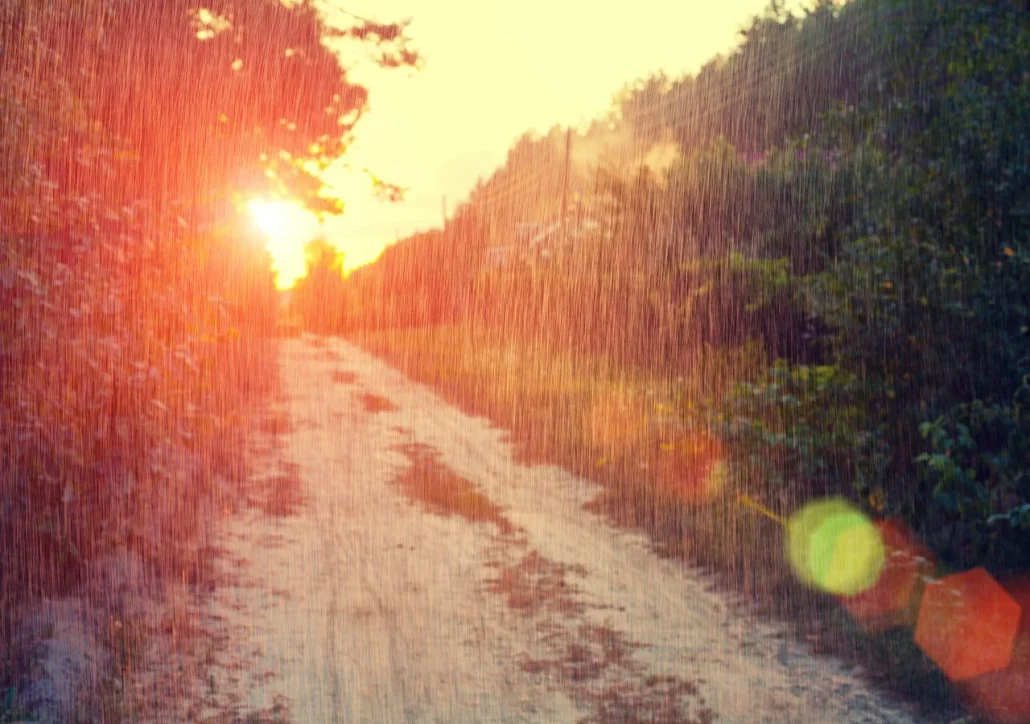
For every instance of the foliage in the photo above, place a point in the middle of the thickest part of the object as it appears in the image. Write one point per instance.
(316, 299)
(923, 285)
(269, 105)
(950, 314)
(795, 428)
(134, 312)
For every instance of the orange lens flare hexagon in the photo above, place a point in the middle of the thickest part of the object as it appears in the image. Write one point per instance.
(693, 468)
(967, 624)
(1004, 696)
(892, 600)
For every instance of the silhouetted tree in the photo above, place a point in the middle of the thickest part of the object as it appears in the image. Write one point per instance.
(228, 96)
(318, 298)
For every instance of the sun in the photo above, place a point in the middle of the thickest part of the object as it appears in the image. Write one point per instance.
(275, 218)
(287, 227)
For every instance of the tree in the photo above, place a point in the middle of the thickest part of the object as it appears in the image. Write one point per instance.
(930, 293)
(318, 298)
(124, 320)
(918, 271)
(238, 95)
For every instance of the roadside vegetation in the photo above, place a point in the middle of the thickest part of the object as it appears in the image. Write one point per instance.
(811, 260)
(136, 306)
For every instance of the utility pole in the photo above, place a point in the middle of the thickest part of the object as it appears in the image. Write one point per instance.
(565, 186)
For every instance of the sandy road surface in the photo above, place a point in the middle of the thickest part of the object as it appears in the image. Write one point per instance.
(423, 575)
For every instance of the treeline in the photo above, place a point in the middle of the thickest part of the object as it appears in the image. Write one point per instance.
(436, 270)
(135, 304)
(672, 178)
(848, 188)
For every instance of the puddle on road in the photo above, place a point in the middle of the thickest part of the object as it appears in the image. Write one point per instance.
(283, 495)
(536, 585)
(375, 403)
(589, 661)
(444, 493)
(343, 377)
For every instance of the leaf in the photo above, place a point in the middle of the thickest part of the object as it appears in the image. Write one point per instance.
(946, 501)
(1017, 516)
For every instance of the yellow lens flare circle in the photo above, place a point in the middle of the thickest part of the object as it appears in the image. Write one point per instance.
(835, 548)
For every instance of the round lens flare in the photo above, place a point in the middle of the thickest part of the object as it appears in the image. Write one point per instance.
(835, 548)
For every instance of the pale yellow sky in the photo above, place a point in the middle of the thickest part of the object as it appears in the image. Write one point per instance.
(494, 70)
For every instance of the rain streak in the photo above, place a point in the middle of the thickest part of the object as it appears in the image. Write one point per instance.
(465, 362)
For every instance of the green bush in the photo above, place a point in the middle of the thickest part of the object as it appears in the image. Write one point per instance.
(923, 290)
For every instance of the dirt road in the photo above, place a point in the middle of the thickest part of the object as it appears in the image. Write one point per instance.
(403, 567)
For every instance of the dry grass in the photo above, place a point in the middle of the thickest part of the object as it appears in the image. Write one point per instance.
(633, 431)
(590, 412)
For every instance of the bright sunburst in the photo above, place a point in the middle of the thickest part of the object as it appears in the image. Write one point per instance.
(287, 227)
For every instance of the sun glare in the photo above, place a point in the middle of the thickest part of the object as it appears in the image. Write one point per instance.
(287, 227)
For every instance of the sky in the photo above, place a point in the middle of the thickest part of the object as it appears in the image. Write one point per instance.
(494, 70)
